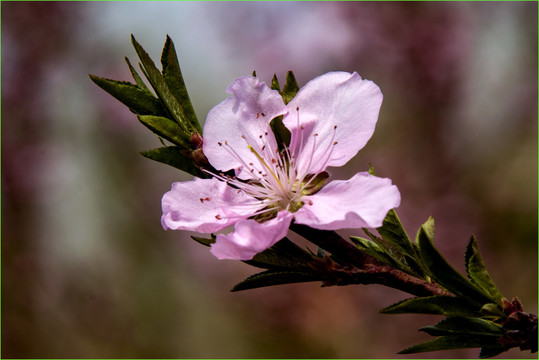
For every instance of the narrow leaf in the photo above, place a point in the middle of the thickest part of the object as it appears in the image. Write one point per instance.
(372, 249)
(442, 272)
(204, 241)
(282, 134)
(160, 86)
(477, 272)
(136, 99)
(450, 342)
(428, 229)
(167, 129)
(174, 80)
(270, 278)
(463, 326)
(393, 232)
(393, 252)
(275, 83)
(174, 156)
(290, 88)
(283, 255)
(136, 76)
(492, 310)
(440, 304)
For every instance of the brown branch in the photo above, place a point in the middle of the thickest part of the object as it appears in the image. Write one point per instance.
(353, 266)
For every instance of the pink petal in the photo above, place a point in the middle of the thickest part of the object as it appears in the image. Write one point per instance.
(205, 205)
(361, 201)
(240, 121)
(334, 99)
(251, 237)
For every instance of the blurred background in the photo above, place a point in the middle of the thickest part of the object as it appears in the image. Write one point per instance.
(87, 270)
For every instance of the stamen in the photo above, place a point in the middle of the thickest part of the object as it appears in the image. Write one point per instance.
(286, 185)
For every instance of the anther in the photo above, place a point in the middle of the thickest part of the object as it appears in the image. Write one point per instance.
(263, 114)
(220, 143)
(218, 217)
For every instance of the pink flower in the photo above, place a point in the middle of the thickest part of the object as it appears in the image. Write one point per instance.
(330, 119)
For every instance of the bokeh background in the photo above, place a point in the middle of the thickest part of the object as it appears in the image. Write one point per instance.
(87, 270)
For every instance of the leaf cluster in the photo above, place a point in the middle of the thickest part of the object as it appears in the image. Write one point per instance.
(474, 308)
(284, 263)
(167, 111)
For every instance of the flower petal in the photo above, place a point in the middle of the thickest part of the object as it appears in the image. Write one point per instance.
(239, 121)
(337, 107)
(205, 205)
(361, 201)
(251, 237)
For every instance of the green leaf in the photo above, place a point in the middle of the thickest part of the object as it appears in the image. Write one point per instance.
(393, 232)
(283, 255)
(450, 342)
(464, 326)
(174, 80)
(160, 86)
(138, 79)
(372, 249)
(136, 99)
(167, 129)
(477, 272)
(290, 88)
(280, 131)
(440, 304)
(492, 310)
(174, 156)
(205, 241)
(428, 229)
(441, 271)
(401, 259)
(275, 83)
(275, 277)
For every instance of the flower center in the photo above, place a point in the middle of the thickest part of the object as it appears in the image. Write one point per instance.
(276, 180)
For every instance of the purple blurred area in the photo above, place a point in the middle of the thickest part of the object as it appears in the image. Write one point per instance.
(87, 270)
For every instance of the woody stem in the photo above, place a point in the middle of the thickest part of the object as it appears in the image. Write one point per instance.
(365, 269)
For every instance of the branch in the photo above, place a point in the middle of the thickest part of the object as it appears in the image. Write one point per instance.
(365, 269)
